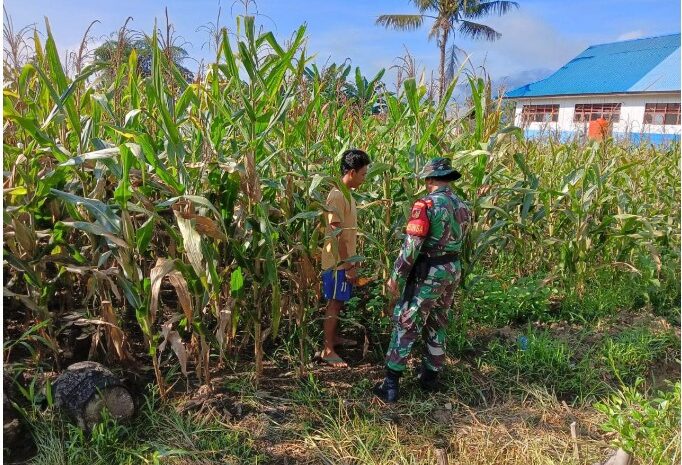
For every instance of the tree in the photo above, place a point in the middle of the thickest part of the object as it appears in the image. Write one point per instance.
(364, 94)
(117, 50)
(448, 16)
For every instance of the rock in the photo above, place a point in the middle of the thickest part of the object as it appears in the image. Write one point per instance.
(619, 458)
(86, 388)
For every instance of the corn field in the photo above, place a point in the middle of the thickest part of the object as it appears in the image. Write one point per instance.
(190, 213)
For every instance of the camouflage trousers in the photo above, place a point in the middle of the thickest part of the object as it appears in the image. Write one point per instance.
(426, 312)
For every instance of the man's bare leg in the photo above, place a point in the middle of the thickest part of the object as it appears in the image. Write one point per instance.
(331, 319)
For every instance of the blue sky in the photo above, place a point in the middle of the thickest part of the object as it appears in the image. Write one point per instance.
(537, 39)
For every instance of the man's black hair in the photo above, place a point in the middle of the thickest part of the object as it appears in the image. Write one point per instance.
(353, 159)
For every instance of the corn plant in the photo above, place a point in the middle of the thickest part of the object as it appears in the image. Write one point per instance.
(194, 209)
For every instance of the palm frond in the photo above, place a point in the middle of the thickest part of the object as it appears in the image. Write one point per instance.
(453, 63)
(401, 22)
(426, 5)
(474, 10)
(434, 31)
(478, 31)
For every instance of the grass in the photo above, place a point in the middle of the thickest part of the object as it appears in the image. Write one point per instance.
(508, 402)
(509, 431)
(500, 297)
(158, 434)
(631, 354)
(498, 302)
(518, 405)
(538, 359)
(612, 291)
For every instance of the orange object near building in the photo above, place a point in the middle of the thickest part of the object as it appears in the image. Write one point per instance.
(599, 129)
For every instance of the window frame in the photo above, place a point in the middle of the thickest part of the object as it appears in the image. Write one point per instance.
(586, 112)
(530, 113)
(665, 110)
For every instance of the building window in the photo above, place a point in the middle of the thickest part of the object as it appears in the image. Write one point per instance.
(540, 114)
(592, 111)
(662, 113)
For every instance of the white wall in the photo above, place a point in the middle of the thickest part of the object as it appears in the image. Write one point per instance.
(631, 113)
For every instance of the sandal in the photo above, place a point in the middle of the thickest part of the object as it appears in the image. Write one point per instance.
(337, 362)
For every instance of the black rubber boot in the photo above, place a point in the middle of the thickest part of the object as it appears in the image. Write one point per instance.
(388, 389)
(428, 380)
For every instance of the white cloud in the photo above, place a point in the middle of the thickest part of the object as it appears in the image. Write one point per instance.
(527, 42)
(631, 35)
(530, 49)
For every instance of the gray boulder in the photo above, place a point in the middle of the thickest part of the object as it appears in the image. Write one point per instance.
(85, 389)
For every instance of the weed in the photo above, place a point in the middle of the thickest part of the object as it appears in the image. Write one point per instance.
(309, 391)
(538, 359)
(499, 301)
(631, 354)
(159, 434)
(647, 426)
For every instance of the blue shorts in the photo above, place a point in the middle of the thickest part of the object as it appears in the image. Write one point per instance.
(336, 288)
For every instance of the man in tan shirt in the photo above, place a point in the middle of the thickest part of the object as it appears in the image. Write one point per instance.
(339, 275)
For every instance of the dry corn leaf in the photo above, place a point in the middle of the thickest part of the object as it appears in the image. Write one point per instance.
(114, 335)
(192, 243)
(224, 317)
(204, 225)
(25, 236)
(180, 284)
(178, 347)
(208, 227)
(162, 268)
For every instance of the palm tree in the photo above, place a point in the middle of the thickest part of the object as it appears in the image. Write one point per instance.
(448, 16)
(118, 48)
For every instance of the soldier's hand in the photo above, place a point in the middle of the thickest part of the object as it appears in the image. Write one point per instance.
(392, 287)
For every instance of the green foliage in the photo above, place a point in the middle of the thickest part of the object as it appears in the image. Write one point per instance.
(158, 435)
(309, 391)
(216, 189)
(575, 367)
(631, 354)
(538, 359)
(499, 302)
(646, 426)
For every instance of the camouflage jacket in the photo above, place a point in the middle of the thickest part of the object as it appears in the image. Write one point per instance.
(437, 225)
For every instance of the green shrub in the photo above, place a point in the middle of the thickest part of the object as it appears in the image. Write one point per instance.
(647, 427)
(501, 301)
(610, 291)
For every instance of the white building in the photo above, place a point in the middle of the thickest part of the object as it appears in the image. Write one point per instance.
(634, 84)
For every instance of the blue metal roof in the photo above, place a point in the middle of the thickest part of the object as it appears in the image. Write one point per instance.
(640, 65)
(665, 76)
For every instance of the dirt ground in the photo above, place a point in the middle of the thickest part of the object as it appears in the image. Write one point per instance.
(493, 426)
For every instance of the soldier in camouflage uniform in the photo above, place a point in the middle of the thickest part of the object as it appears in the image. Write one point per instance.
(428, 270)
